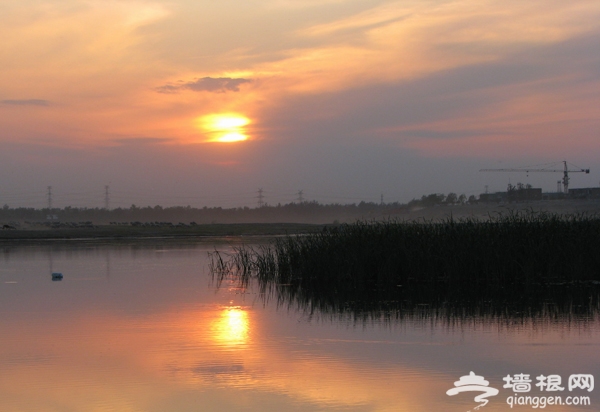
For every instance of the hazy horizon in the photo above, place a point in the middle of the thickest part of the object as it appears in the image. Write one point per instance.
(201, 103)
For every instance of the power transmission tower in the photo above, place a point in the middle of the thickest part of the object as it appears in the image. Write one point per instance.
(381, 199)
(106, 198)
(300, 197)
(261, 202)
(49, 197)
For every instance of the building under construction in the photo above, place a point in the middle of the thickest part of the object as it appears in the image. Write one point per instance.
(526, 193)
(518, 193)
(585, 193)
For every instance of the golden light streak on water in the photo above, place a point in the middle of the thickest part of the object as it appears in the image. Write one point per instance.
(231, 328)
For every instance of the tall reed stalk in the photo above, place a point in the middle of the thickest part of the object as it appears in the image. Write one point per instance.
(513, 258)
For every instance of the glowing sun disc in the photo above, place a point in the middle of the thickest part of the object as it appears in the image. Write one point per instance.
(231, 137)
(224, 127)
(225, 122)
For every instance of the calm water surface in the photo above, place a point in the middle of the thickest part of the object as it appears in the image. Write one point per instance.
(142, 328)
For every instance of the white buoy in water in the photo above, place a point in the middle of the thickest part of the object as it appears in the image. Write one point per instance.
(57, 276)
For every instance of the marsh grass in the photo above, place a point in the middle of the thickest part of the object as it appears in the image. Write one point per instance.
(517, 262)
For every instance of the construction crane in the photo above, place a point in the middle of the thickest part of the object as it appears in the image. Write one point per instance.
(565, 171)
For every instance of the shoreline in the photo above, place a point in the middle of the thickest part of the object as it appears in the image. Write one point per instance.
(18, 231)
(118, 233)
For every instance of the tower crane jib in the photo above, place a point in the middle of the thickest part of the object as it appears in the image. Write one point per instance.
(565, 171)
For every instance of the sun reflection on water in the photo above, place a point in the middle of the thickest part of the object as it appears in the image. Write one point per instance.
(232, 326)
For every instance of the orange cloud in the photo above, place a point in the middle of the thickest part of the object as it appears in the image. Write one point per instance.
(100, 64)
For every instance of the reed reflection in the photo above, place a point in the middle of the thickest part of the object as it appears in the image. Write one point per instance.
(295, 273)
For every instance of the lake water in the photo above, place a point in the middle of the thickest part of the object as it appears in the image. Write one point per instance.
(142, 328)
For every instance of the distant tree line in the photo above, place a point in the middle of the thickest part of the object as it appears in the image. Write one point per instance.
(437, 199)
(290, 212)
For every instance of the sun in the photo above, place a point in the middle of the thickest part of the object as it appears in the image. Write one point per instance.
(232, 137)
(224, 127)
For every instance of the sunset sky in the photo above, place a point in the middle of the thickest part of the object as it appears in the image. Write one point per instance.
(198, 102)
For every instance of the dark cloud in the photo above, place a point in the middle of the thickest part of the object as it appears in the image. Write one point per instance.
(126, 141)
(412, 108)
(435, 134)
(206, 84)
(27, 102)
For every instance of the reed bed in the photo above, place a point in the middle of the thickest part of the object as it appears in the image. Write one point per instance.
(517, 261)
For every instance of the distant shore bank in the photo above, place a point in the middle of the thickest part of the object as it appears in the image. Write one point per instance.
(65, 229)
(116, 232)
